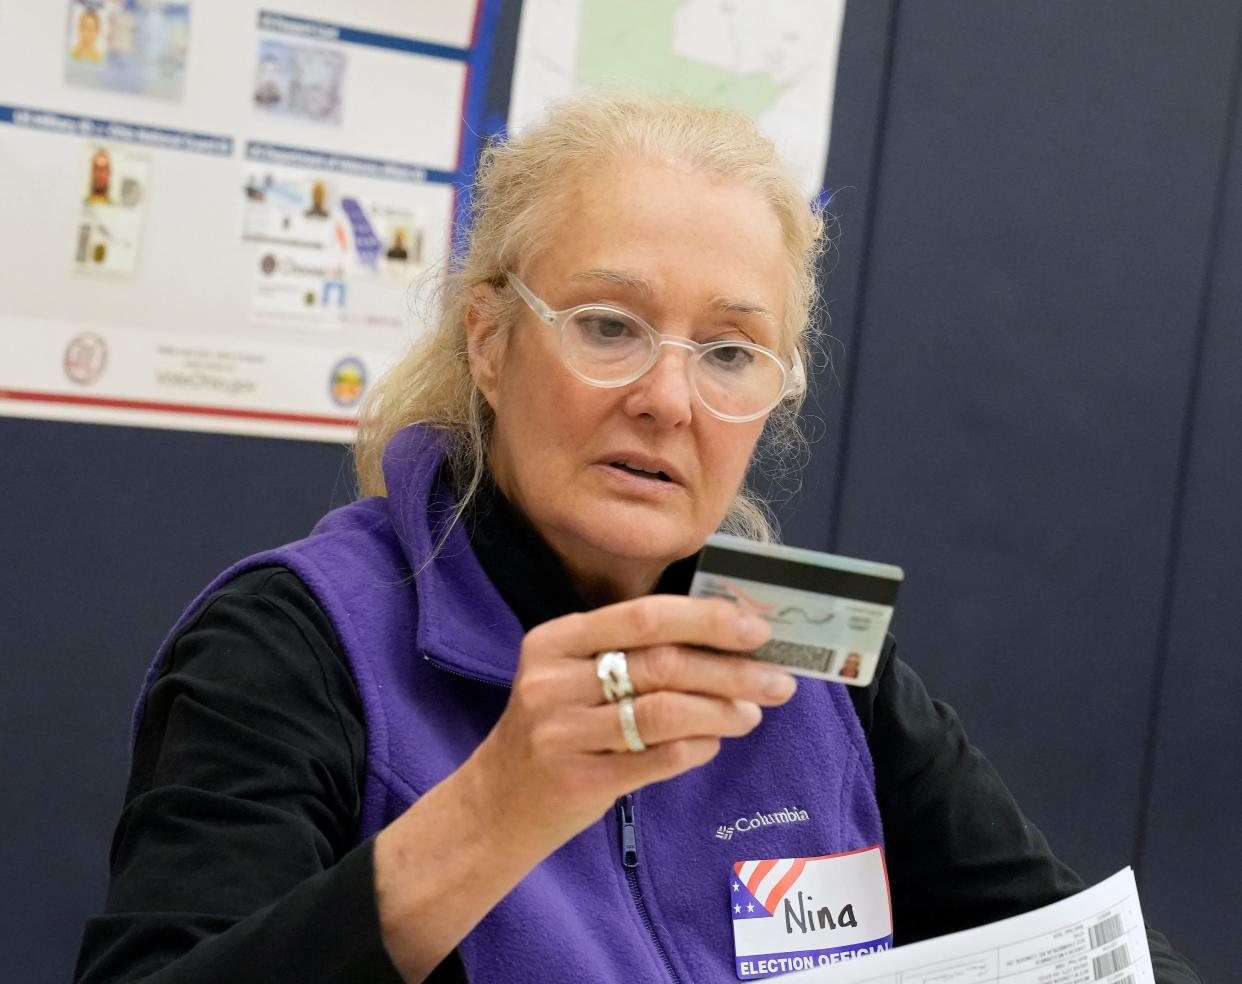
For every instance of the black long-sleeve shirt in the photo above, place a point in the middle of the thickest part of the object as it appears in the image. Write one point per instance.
(234, 858)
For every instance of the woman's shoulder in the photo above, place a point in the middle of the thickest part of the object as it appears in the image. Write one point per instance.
(256, 664)
(262, 620)
(275, 587)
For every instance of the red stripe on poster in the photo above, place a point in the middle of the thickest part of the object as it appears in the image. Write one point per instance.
(186, 408)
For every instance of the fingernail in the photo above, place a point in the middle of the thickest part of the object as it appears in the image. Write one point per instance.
(752, 629)
(779, 685)
(751, 712)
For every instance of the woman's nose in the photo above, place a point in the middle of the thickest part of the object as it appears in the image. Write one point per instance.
(664, 391)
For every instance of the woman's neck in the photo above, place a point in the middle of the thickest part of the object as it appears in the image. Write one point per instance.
(608, 581)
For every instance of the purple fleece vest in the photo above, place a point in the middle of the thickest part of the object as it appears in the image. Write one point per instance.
(433, 658)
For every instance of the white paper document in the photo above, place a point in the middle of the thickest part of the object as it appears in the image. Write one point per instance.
(1094, 937)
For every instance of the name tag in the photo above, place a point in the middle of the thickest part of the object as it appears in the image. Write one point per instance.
(794, 914)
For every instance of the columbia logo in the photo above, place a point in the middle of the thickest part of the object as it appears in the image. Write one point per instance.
(742, 824)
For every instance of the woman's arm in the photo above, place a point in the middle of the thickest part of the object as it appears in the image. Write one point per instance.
(232, 859)
(556, 760)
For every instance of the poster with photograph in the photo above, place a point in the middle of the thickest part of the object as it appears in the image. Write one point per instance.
(232, 216)
(137, 46)
(299, 80)
(333, 249)
(113, 204)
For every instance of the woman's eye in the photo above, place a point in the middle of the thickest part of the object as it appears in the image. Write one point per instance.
(603, 328)
(731, 357)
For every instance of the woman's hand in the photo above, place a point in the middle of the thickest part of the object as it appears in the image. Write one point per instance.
(560, 742)
(557, 758)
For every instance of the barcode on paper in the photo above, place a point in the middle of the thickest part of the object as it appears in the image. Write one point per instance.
(1110, 962)
(1105, 931)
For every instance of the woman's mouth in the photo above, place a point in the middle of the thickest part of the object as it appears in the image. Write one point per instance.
(633, 469)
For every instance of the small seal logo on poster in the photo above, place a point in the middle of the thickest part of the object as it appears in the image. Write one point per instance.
(349, 380)
(86, 356)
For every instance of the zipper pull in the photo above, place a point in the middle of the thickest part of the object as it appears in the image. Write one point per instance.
(629, 844)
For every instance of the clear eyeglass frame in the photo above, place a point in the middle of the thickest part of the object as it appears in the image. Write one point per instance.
(793, 377)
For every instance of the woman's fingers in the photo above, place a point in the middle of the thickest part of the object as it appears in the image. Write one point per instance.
(714, 674)
(677, 668)
(665, 717)
(664, 637)
(559, 731)
(661, 762)
(651, 621)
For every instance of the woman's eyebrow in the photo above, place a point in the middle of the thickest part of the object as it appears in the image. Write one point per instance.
(732, 305)
(617, 279)
(727, 305)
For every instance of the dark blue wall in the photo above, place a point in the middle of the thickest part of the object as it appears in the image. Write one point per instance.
(1034, 409)
(108, 532)
(1041, 407)
(1189, 858)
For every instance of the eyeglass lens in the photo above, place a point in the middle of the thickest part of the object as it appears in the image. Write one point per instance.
(606, 346)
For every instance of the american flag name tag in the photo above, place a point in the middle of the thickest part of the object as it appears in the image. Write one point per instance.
(793, 914)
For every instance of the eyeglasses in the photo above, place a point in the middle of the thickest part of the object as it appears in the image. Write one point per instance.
(608, 346)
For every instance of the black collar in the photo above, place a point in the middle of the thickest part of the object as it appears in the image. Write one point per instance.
(525, 570)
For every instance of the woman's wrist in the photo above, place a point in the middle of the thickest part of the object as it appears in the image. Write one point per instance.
(443, 864)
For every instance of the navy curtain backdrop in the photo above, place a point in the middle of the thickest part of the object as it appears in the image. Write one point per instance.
(1034, 408)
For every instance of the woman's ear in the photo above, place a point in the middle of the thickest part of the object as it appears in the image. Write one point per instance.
(483, 346)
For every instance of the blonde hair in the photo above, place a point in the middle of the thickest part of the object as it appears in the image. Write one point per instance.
(518, 186)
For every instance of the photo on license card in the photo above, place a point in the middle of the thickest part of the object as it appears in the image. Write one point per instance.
(296, 219)
(112, 206)
(135, 46)
(291, 207)
(300, 81)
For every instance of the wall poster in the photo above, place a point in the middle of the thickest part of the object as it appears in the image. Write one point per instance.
(775, 62)
(220, 216)
(217, 214)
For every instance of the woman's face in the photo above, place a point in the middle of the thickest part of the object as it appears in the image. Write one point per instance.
(88, 30)
(694, 256)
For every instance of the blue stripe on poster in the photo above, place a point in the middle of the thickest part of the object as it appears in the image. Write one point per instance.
(478, 124)
(159, 138)
(363, 167)
(313, 30)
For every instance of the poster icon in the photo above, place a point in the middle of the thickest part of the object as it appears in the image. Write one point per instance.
(299, 81)
(137, 46)
(331, 252)
(113, 206)
(86, 357)
(349, 382)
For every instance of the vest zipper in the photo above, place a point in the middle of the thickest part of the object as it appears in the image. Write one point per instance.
(629, 861)
(629, 842)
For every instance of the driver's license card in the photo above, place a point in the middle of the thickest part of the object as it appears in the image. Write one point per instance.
(829, 614)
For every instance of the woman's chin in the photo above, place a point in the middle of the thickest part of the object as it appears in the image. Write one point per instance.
(637, 534)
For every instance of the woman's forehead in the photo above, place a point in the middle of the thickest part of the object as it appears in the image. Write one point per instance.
(647, 228)
(639, 286)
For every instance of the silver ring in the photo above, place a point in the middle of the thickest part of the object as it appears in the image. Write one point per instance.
(629, 727)
(614, 675)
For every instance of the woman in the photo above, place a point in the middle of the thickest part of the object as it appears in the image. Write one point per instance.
(463, 731)
(86, 48)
